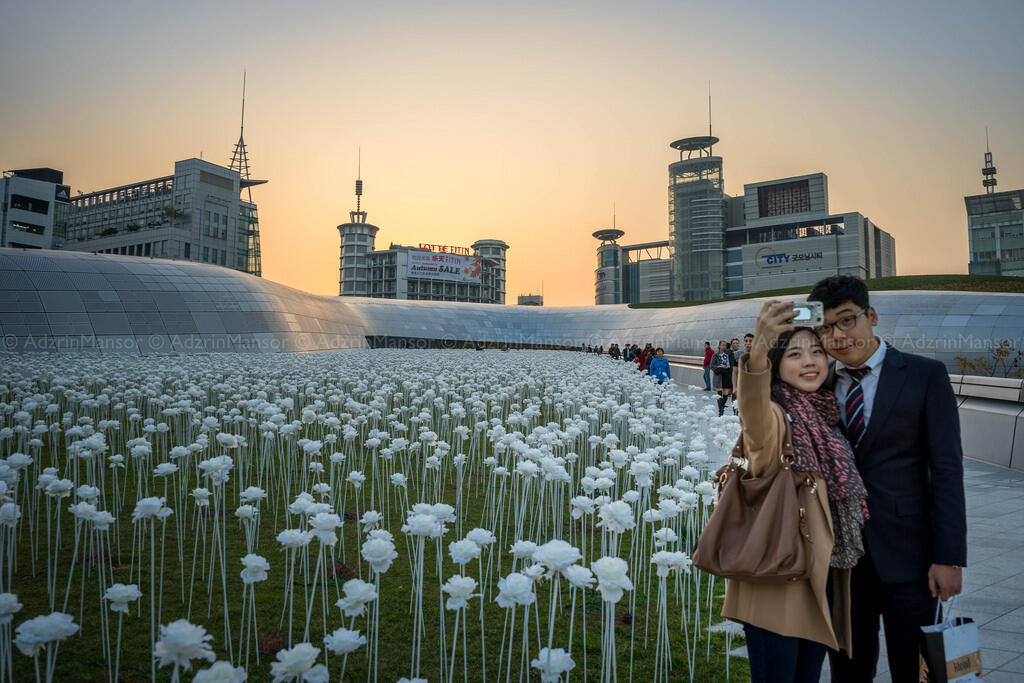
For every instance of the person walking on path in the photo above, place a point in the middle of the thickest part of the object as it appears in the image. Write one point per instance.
(708, 353)
(721, 366)
(789, 624)
(901, 417)
(659, 368)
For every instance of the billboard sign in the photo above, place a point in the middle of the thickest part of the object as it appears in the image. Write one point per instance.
(769, 258)
(428, 265)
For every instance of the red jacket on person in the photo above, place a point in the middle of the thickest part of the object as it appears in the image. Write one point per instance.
(708, 353)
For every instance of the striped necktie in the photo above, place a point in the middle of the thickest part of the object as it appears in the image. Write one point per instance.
(856, 425)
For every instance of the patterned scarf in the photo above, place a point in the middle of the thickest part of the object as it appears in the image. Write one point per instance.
(820, 448)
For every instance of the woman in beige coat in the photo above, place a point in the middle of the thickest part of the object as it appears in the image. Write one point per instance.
(788, 625)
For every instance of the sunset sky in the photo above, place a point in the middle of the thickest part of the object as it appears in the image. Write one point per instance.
(523, 121)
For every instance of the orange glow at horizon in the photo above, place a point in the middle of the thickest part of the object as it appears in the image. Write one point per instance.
(527, 123)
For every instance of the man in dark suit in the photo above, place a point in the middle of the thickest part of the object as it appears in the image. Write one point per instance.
(900, 415)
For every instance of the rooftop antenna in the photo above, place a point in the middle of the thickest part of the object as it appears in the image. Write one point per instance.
(613, 214)
(240, 157)
(359, 178)
(988, 173)
(358, 216)
(709, 117)
(240, 163)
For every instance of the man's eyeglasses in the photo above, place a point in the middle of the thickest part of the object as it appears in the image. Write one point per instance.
(845, 323)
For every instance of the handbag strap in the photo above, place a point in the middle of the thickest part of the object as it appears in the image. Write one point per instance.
(739, 453)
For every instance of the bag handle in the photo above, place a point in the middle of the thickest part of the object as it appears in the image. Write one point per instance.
(788, 458)
(949, 614)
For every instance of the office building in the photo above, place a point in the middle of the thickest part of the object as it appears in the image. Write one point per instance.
(530, 300)
(428, 272)
(697, 220)
(196, 214)
(782, 234)
(995, 227)
(34, 213)
(631, 273)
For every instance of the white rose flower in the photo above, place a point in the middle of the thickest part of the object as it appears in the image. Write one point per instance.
(579, 576)
(523, 550)
(323, 525)
(201, 496)
(150, 508)
(482, 537)
(181, 642)
(356, 478)
(221, 672)
(463, 551)
(379, 552)
(255, 568)
(460, 589)
(616, 517)
(552, 664)
(371, 519)
(556, 555)
(9, 606)
(294, 538)
(663, 536)
(534, 572)
(165, 469)
(611, 577)
(88, 493)
(294, 662)
(344, 641)
(515, 589)
(32, 635)
(421, 525)
(357, 594)
(120, 595)
(253, 494)
(398, 479)
(246, 512)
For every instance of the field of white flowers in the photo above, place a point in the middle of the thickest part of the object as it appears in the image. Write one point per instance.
(363, 515)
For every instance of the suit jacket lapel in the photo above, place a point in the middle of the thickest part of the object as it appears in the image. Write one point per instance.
(894, 374)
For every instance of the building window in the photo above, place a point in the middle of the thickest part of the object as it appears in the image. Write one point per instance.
(223, 257)
(28, 227)
(206, 254)
(784, 198)
(148, 250)
(33, 204)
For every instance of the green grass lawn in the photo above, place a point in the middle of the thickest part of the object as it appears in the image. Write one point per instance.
(960, 283)
(81, 657)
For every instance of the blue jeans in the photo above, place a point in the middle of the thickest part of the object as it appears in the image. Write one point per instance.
(782, 659)
(707, 377)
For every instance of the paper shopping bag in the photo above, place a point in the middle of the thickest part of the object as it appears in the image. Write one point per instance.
(950, 651)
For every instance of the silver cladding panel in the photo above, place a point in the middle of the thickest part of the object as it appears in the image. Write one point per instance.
(54, 300)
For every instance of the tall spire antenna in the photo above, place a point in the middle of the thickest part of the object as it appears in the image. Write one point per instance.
(359, 181)
(988, 173)
(613, 214)
(240, 157)
(709, 108)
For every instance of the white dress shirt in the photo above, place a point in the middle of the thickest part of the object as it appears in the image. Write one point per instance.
(869, 384)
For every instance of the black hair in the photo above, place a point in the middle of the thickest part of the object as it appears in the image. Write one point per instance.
(836, 290)
(748, 335)
(776, 352)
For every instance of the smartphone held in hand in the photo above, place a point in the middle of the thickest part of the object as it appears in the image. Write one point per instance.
(808, 314)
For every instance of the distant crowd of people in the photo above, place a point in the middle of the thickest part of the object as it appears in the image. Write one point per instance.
(648, 360)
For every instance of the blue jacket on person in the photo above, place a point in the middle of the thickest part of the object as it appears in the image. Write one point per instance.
(659, 369)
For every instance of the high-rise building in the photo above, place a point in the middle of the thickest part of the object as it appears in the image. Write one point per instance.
(995, 227)
(195, 214)
(530, 300)
(34, 212)
(697, 220)
(429, 272)
(778, 234)
(631, 273)
(781, 234)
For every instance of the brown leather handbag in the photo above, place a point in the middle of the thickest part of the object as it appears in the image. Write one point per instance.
(758, 530)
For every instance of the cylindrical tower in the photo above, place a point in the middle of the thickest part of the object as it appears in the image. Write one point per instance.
(357, 238)
(494, 250)
(697, 221)
(608, 274)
